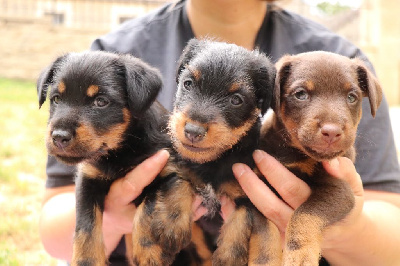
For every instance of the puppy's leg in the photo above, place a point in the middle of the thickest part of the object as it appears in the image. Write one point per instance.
(330, 201)
(162, 223)
(265, 242)
(202, 250)
(233, 242)
(198, 252)
(88, 246)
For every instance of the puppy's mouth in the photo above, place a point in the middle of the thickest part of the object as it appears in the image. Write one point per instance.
(323, 153)
(74, 157)
(194, 148)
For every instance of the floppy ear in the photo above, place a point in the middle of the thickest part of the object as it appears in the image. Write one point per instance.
(283, 67)
(143, 84)
(46, 78)
(190, 50)
(263, 74)
(369, 85)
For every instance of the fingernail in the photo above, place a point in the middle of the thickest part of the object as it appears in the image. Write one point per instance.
(239, 169)
(160, 155)
(222, 201)
(334, 163)
(258, 156)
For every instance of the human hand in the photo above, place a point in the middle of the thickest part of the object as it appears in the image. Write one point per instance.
(293, 191)
(118, 208)
(339, 233)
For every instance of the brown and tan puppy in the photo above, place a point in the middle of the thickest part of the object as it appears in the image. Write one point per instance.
(317, 109)
(223, 89)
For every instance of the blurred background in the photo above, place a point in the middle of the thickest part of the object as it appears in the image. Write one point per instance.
(35, 32)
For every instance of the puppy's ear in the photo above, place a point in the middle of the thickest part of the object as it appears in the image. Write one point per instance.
(143, 84)
(263, 74)
(190, 50)
(46, 78)
(369, 85)
(283, 67)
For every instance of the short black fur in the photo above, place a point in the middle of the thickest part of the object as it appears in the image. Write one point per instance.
(103, 115)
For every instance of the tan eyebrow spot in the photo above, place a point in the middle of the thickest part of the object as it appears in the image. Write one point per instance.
(195, 72)
(234, 87)
(61, 87)
(92, 90)
(310, 85)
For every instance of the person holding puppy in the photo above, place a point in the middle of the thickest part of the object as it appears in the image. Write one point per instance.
(367, 236)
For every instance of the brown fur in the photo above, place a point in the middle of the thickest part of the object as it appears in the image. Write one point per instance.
(265, 250)
(106, 120)
(61, 87)
(202, 249)
(88, 248)
(164, 228)
(317, 109)
(92, 90)
(220, 137)
(222, 91)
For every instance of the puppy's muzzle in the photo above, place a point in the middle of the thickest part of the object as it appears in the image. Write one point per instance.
(331, 133)
(195, 133)
(61, 138)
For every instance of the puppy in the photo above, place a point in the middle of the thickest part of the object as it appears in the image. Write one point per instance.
(223, 90)
(317, 108)
(103, 115)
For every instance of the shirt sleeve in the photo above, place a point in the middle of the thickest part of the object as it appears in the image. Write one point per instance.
(59, 174)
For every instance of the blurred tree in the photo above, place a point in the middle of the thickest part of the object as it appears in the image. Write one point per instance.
(332, 9)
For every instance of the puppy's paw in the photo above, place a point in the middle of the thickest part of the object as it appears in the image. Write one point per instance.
(305, 256)
(87, 262)
(171, 235)
(234, 254)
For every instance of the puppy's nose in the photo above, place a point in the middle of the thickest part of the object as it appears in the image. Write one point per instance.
(61, 138)
(331, 133)
(194, 133)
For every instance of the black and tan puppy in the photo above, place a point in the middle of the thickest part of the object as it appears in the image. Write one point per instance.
(317, 109)
(104, 117)
(223, 90)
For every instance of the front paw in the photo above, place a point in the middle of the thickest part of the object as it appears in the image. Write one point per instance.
(171, 233)
(232, 255)
(305, 256)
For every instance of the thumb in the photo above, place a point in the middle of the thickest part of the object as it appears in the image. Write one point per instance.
(132, 185)
(343, 168)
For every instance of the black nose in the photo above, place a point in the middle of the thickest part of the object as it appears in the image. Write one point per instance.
(61, 138)
(331, 133)
(194, 132)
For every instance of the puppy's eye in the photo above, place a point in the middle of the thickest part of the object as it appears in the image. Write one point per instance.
(236, 99)
(56, 99)
(187, 84)
(352, 97)
(101, 101)
(301, 94)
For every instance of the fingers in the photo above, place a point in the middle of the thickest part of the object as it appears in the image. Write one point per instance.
(293, 190)
(343, 168)
(227, 207)
(262, 197)
(131, 186)
(198, 209)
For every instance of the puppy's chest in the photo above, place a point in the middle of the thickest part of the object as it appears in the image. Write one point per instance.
(293, 159)
(209, 178)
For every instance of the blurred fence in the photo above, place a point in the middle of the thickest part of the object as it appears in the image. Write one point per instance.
(86, 14)
(36, 31)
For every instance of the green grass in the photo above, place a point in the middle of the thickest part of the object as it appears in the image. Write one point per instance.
(22, 130)
(22, 173)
